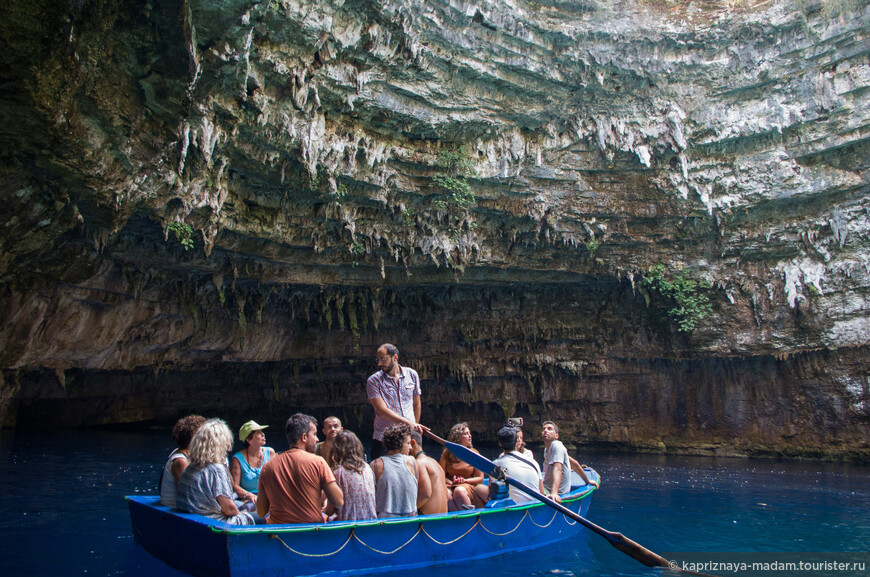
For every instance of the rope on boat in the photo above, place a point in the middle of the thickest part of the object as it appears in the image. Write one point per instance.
(470, 529)
(289, 548)
(397, 549)
(523, 518)
(421, 529)
(553, 518)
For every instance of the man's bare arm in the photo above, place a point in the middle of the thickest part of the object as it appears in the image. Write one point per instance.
(262, 503)
(577, 468)
(334, 494)
(383, 411)
(557, 482)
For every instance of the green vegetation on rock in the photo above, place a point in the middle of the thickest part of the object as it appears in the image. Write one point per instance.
(458, 194)
(183, 233)
(691, 301)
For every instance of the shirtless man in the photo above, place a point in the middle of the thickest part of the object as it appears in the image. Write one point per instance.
(437, 503)
(331, 428)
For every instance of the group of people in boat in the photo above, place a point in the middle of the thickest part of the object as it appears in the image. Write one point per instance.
(315, 481)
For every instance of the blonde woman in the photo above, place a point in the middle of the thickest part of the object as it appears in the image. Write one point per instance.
(205, 487)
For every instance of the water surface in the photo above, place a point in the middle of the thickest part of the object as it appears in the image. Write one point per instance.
(65, 512)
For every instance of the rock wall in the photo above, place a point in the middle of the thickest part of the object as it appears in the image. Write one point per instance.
(225, 206)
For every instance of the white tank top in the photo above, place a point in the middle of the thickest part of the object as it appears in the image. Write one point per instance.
(167, 481)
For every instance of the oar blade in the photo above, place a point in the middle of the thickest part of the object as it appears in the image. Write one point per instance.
(639, 552)
(466, 455)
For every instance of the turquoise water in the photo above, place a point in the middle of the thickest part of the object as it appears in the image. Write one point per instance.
(64, 510)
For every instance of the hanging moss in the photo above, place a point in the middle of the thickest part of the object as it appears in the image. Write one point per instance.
(325, 305)
(508, 406)
(339, 310)
(242, 321)
(275, 389)
(362, 310)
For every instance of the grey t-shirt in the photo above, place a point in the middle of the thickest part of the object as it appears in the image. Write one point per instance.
(557, 454)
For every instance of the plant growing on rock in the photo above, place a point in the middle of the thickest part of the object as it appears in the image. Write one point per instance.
(457, 165)
(592, 245)
(183, 233)
(689, 295)
(357, 249)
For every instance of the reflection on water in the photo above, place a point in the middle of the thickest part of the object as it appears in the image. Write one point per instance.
(64, 511)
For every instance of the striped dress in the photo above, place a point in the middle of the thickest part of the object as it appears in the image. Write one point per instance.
(199, 488)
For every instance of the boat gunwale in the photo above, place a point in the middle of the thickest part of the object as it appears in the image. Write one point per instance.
(223, 527)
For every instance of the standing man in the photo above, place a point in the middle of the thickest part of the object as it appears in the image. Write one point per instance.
(394, 393)
(437, 503)
(291, 484)
(557, 468)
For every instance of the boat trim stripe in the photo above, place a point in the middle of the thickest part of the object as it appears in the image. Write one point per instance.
(273, 529)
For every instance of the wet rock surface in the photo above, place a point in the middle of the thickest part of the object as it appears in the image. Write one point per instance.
(226, 206)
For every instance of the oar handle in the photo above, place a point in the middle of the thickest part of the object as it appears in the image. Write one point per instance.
(434, 437)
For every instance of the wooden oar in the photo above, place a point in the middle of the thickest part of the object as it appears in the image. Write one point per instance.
(618, 540)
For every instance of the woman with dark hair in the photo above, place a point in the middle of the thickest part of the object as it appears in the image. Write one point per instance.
(178, 459)
(464, 482)
(353, 475)
(245, 466)
(205, 486)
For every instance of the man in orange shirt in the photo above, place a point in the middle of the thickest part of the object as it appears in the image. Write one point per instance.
(292, 485)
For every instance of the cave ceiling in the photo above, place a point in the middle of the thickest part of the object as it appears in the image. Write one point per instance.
(361, 165)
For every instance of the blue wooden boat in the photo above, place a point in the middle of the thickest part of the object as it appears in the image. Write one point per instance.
(206, 547)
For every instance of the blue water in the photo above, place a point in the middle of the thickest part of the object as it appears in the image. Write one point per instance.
(64, 512)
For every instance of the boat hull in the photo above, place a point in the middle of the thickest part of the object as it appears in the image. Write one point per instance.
(206, 547)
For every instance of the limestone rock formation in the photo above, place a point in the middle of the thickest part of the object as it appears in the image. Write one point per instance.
(647, 219)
